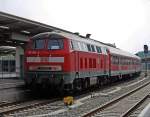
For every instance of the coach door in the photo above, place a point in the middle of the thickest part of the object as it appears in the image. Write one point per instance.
(109, 61)
(104, 59)
(104, 64)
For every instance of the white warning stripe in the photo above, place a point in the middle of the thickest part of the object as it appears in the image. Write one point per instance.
(45, 59)
(33, 59)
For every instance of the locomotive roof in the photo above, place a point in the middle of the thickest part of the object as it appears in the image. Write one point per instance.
(76, 37)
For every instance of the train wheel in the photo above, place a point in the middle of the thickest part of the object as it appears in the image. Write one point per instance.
(77, 85)
(60, 88)
(85, 84)
(27, 86)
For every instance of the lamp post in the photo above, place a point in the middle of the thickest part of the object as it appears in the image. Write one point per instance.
(145, 53)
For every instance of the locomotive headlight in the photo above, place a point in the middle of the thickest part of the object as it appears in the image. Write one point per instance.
(55, 68)
(33, 68)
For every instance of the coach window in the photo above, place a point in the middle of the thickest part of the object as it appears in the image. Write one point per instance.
(75, 45)
(93, 49)
(114, 60)
(123, 61)
(129, 62)
(126, 61)
(117, 60)
(83, 46)
(98, 49)
(89, 47)
(111, 59)
(80, 48)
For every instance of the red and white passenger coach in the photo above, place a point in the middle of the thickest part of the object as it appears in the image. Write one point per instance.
(70, 61)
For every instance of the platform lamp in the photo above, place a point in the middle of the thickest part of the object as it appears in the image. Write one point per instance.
(145, 53)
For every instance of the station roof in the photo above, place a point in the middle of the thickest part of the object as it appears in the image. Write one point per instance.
(15, 31)
(10, 22)
(4, 50)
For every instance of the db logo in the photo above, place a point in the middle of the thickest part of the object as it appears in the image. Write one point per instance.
(44, 59)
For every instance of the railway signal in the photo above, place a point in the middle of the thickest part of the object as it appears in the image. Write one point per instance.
(145, 53)
(145, 49)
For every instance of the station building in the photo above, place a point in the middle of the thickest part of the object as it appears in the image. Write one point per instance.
(7, 62)
(145, 59)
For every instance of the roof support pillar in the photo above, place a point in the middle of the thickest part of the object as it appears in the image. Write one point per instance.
(19, 62)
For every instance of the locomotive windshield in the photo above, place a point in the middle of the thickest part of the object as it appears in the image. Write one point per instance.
(39, 44)
(52, 42)
(55, 42)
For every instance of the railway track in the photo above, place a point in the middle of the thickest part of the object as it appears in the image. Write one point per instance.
(122, 106)
(29, 109)
(8, 108)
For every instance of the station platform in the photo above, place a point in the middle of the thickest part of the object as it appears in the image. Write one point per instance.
(8, 75)
(10, 83)
(145, 112)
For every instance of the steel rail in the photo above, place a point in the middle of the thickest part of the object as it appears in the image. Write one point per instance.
(130, 110)
(107, 104)
(23, 106)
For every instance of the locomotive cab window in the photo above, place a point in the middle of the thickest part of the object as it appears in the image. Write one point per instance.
(75, 45)
(38, 41)
(55, 42)
(39, 44)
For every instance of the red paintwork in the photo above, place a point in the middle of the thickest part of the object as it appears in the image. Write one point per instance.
(75, 61)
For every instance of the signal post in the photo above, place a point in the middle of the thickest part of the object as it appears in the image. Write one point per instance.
(145, 53)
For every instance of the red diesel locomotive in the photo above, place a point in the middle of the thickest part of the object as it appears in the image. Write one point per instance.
(69, 61)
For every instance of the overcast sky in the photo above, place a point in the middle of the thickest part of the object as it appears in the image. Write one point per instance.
(123, 22)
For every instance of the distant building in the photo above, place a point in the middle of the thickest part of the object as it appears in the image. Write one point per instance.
(145, 58)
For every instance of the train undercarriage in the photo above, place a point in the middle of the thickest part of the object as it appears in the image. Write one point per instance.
(57, 82)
